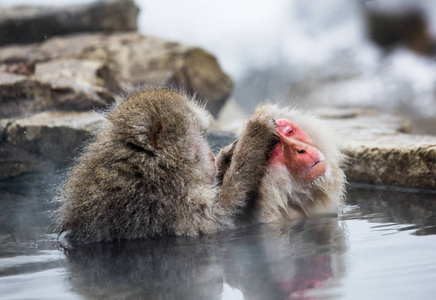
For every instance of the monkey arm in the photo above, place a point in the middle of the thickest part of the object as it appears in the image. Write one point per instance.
(243, 163)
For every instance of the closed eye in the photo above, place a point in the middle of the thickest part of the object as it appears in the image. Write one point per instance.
(286, 129)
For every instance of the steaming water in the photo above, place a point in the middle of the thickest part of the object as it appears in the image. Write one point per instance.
(380, 247)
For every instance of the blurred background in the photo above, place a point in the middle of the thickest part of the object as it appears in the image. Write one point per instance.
(377, 54)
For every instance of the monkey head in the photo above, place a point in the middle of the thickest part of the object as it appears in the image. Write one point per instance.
(303, 175)
(169, 128)
(148, 171)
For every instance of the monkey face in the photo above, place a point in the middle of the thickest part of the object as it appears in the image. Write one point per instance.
(296, 152)
(303, 175)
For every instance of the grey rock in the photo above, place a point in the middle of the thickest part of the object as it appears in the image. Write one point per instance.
(15, 161)
(44, 142)
(381, 152)
(62, 84)
(48, 91)
(405, 26)
(404, 161)
(94, 67)
(29, 24)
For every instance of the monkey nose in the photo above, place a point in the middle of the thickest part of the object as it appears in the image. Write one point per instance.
(300, 148)
(294, 145)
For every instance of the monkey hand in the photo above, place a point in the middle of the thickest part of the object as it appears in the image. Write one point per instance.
(242, 165)
(260, 135)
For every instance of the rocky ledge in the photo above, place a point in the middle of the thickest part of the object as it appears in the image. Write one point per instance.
(379, 147)
(82, 71)
(382, 151)
(43, 143)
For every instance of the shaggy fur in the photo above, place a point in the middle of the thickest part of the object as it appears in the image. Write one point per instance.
(280, 194)
(148, 172)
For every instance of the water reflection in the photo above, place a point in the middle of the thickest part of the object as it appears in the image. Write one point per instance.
(390, 206)
(277, 261)
(382, 239)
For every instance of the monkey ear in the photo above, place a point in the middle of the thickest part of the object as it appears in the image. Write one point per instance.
(155, 132)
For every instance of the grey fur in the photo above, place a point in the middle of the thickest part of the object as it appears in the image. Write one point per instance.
(280, 195)
(148, 172)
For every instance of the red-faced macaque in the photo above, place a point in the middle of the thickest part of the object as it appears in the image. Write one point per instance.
(149, 171)
(303, 176)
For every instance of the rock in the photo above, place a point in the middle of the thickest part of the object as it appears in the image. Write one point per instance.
(408, 27)
(381, 153)
(378, 149)
(15, 162)
(62, 79)
(92, 66)
(367, 122)
(29, 24)
(401, 160)
(69, 84)
(44, 142)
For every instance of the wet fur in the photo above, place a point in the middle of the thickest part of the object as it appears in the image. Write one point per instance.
(141, 175)
(280, 194)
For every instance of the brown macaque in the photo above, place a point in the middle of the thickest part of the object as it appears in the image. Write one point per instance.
(149, 171)
(303, 175)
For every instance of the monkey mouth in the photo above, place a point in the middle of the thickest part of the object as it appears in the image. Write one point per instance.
(317, 162)
(316, 170)
(312, 166)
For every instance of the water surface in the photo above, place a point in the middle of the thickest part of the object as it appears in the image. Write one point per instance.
(382, 246)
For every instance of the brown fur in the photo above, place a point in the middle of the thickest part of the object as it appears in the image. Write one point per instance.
(148, 173)
(279, 194)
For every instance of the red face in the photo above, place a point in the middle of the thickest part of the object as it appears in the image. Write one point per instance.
(296, 152)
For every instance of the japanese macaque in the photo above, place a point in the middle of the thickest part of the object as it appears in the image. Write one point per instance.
(303, 176)
(149, 172)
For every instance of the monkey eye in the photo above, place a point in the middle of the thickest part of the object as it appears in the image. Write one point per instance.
(286, 129)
